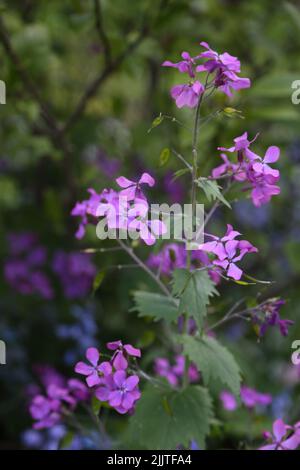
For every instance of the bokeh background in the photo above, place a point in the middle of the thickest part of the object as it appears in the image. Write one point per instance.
(79, 106)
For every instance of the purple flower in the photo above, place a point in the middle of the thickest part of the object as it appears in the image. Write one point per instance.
(228, 400)
(217, 245)
(173, 256)
(23, 269)
(251, 398)
(252, 168)
(225, 67)
(227, 168)
(187, 94)
(174, 373)
(88, 208)
(75, 271)
(133, 190)
(241, 146)
(175, 189)
(93, 371)
(44, 411)
(47, 410)
(235, 250)
(125, 392)
(281, 438)
(217, 61)
(228, 251)
(21, 242)
(271, 156)
(268, 315)
(121, 352)
(184, 66)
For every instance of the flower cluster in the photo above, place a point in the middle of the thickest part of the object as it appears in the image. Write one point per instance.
(23, 270)
(252, 169)
(284, 436)
(174, 373)
(228, 251)
(174, 256)
(75, 271)
(249, 397)
(110, 378)
(126, 209)
(47, 410)
(26, 268)
(221, 69)
(267, 315)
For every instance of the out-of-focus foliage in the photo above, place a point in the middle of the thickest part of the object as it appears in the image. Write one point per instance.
(44, 170)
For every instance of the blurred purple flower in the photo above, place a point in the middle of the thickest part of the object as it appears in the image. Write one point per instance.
(75, 271)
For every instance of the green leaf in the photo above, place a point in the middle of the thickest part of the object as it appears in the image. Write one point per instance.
(180, 173)
(216, 363)
(160, 307)
(164, 156)
(212, 190)
(96, 405)
(98, 280)
(66, 440)
(163, 420)
(194, 290)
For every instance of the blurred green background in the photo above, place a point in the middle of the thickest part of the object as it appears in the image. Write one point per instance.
(78, 108)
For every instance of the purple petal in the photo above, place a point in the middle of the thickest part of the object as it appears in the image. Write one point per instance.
(147, 179)
(132, 351)
(92, 354)
(127, 401)
(124, 182)
(120, 363)
(93, 379)
(102, 393)
(82, 368)
(115, 398)
(113, 345)
(119, 377)
(279, 429)
(105, 368)
(272, 154)
(131, 382)
(234, 272)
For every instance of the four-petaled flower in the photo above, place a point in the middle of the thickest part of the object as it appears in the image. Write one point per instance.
(93, 371)
(281, 438)
(133, 189)
(125, 392)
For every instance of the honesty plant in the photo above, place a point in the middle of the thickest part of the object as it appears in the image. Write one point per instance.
(172, 405)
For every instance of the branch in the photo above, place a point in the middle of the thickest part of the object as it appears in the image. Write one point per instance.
(102, 35)
(93, 87)
(52, 128)
(44, 107)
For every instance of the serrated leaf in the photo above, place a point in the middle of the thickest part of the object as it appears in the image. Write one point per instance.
(216, 364)
(160, 307)
(194, 290)
(164, 420)
(164, 156)
(212, 190)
